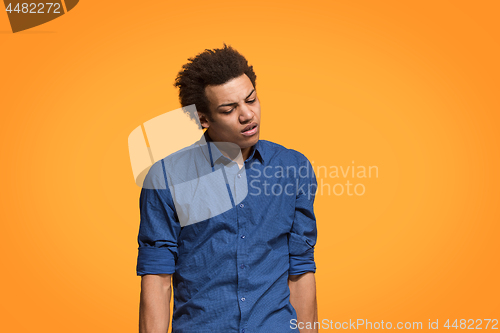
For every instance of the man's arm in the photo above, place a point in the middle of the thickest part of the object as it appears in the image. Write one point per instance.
(154, 309)
(157, 239)
(303, 299)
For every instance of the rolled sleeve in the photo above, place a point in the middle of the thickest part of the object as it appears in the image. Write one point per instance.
(159, 226)
(303, 235)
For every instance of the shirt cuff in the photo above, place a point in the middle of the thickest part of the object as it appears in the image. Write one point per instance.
(300, 264)
(155, 260)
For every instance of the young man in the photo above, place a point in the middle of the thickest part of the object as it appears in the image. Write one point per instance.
(246, 269)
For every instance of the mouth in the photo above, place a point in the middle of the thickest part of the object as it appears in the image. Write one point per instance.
(250, 130)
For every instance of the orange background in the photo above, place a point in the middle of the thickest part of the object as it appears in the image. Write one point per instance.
(409, 87)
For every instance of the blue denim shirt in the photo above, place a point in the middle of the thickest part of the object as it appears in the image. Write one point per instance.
(230, 271)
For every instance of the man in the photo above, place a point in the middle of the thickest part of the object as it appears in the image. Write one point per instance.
(246, 269)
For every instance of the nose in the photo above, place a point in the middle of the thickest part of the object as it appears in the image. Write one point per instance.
(246, 114)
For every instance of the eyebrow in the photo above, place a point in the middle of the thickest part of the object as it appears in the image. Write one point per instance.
(231, 104)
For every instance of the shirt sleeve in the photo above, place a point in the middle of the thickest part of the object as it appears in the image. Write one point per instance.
(159, 225)
(303, 234)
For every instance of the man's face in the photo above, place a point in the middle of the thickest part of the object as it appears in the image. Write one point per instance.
(235, 111)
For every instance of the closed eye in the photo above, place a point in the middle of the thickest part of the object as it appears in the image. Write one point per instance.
(249, 102)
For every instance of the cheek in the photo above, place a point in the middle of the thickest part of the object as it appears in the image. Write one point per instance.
(257, 110)
(257, 104)
(230, 125)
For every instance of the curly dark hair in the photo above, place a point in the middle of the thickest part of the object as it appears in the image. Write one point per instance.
(211, 67)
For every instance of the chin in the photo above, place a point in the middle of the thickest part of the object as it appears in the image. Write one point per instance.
(248, 143)
(252, 141)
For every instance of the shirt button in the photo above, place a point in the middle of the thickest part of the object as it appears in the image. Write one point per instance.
(242, 299)
(242, 266)
(239, 176)
(243, 331)
(242, 205)
(243, 236)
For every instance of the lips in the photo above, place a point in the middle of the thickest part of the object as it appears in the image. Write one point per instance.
(250, 129)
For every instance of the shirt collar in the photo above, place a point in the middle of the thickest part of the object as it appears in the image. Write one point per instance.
(257, 150)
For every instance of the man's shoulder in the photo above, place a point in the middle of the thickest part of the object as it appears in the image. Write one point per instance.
(276, 151)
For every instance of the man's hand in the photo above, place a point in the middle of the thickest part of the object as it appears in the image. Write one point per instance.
(154, 309)
(303, 299)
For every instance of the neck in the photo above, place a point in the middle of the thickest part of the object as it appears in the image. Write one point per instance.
(230, 150)
(232, 154)
(245, 152)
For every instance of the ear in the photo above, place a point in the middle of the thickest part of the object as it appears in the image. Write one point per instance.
(203, 120)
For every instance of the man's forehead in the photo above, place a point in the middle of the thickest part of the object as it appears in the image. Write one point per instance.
(231, 91)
